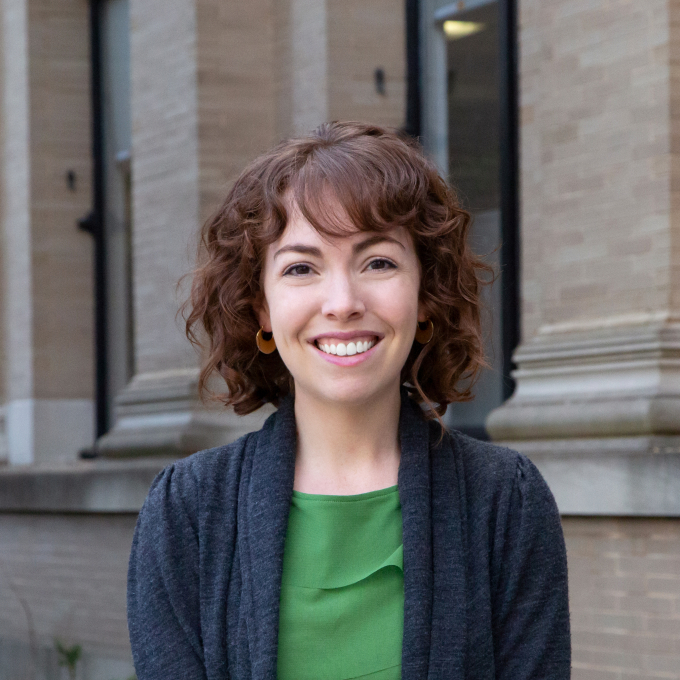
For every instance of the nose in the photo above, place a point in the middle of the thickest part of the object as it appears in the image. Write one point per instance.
(343, 300)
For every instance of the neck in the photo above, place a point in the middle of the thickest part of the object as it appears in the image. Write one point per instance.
(347, 448)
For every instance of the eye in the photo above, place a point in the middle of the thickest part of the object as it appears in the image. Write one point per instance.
(297, 270)
(381, 263)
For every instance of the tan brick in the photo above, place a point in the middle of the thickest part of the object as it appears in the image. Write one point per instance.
(70, 570)
(665, 626)
(588, 673)
(624, 605)
(666, 586)
(669, 664)
(596, 78)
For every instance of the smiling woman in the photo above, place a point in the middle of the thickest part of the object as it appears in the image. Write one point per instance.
(351, 303)
(301, 200)
(353, 536)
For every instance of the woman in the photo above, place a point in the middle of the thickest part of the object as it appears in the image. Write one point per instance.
(352, 536)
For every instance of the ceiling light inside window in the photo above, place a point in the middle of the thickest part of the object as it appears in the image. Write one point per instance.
(461, 29)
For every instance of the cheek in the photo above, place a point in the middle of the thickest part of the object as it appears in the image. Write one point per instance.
(289, 312)
(398, 303)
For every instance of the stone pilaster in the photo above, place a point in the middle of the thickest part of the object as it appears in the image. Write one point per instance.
(309, 63)
(597, 404)
(202, 105)
(47, 281)
(215, 83)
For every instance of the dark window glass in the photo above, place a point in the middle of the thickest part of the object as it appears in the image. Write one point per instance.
(473, 120)
(472, 62)
(116, 127)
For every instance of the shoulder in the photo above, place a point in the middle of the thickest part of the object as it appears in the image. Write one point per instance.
(512, 516)
(498, 477)
(482, 462)
(482, 457)
(198, 481)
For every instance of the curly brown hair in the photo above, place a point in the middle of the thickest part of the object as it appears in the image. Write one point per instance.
(381, 179)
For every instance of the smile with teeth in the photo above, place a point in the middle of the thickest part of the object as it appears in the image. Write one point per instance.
(342, 348)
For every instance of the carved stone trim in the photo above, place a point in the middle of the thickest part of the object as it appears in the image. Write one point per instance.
(598, 411)
(160, 414)
(603, 383)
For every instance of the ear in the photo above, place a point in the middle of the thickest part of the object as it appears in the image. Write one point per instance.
(261, 308)
(422, 313)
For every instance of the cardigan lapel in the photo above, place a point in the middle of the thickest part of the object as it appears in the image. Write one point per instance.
(449, 538)
(415, 497)
(432, 499)
(267, 490)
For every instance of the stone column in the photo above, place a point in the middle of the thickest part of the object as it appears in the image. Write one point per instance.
(214, 83)
(597, 403)
(202, 101)
(47, 281)
(309, 63)
(4, 453)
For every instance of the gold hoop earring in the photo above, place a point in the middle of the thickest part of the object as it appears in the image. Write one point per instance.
(424, 332)
(265, 345)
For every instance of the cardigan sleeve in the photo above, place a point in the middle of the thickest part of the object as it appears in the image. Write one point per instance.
(163, 582)
(530, 593)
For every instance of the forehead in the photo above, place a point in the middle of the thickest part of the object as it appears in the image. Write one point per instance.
(299, 230)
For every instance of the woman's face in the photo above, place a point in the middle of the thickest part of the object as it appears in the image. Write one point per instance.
(343, 310)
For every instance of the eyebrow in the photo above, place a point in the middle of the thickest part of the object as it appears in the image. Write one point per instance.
(357, 248)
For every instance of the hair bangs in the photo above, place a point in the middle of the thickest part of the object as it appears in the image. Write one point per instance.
(340, 190)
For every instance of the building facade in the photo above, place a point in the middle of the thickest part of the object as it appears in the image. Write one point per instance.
(122, 124)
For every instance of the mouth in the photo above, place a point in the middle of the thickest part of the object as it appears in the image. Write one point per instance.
(341, 347)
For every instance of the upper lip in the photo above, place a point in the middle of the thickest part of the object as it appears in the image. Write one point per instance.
(346, 335)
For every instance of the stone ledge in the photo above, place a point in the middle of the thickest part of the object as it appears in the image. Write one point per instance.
(115, 486)
(594, 477)
(624, 476)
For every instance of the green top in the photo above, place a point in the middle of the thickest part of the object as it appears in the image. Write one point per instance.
(342, 588)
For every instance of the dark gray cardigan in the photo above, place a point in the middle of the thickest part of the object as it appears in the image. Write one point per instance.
(485, 572)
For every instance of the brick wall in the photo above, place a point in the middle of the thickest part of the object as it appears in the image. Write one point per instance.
(624, 579)
(362, 37)
(61, 267)
(70, 572)
(596, 159)
(236, 98)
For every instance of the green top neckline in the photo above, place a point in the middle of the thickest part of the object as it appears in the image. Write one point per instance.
(341, 607)
(345, 498)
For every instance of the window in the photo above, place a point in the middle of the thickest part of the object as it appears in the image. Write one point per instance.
(469, 127)
(117, 218)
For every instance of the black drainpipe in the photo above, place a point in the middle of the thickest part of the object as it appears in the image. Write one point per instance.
(413, 105)
(509, 161)
(94, 224)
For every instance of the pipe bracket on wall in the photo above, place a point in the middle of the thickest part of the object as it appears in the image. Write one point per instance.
(89, 223)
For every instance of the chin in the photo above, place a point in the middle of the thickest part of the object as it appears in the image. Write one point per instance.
(353, 392)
